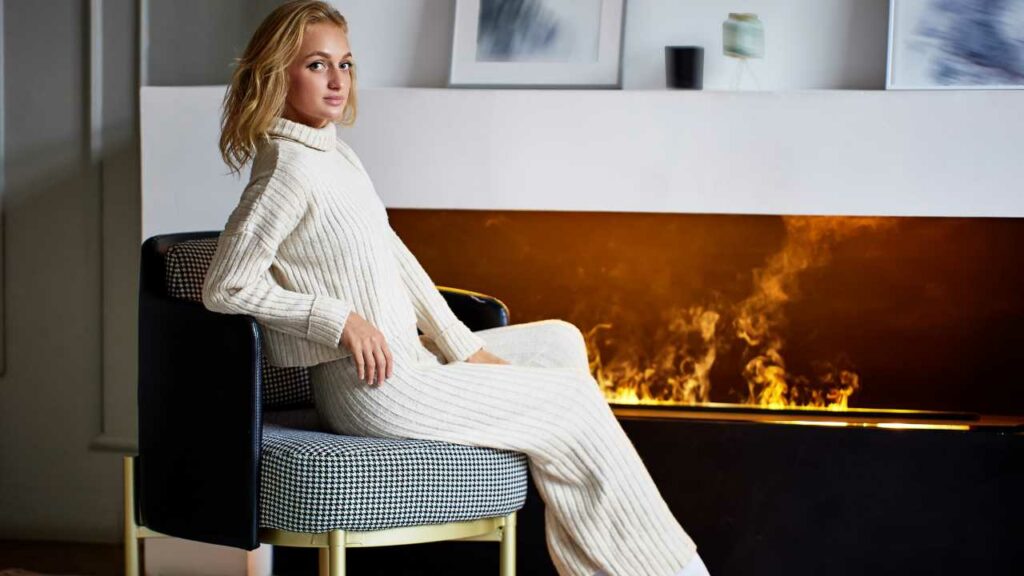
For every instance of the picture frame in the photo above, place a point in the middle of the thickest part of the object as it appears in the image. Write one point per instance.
(932, 46)
(537, 44)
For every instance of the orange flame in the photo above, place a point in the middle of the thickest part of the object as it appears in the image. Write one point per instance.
(678, 372)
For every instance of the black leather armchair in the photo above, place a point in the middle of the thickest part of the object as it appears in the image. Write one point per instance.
(215, 466)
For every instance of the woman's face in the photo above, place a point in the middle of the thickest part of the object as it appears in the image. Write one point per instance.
(320, 77)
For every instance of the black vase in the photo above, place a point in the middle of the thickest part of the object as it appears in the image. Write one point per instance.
(684, 67)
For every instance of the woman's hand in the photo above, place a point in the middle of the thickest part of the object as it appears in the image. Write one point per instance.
(369, 349)
(482, 356)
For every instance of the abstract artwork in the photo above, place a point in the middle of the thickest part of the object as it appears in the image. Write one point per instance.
(537, 43)
(957, 44)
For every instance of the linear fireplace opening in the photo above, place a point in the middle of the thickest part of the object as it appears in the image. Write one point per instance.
(884, 319)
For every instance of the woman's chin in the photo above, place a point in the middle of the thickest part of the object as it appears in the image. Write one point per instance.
(332, 117)
(323, 119)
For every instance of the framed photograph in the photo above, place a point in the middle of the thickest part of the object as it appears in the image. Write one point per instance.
(955, 44)
(537, 44)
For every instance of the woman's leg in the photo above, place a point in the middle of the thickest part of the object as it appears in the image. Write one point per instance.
(556, 344)
(544, 343)
(603, 510)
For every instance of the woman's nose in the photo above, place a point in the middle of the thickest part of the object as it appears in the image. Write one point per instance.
(334, 79)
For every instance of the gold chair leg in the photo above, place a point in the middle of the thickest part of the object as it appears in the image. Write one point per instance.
(508, 546)
(325, 567)
(336, 553)
(131, 530)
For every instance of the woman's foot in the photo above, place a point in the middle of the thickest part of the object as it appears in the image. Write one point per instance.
(696, 567)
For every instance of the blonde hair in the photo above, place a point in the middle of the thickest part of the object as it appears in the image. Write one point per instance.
(259, 84)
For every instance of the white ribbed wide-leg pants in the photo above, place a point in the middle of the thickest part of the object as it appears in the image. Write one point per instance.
(602, 509)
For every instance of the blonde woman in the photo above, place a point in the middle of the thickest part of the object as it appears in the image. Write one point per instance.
(309, 253)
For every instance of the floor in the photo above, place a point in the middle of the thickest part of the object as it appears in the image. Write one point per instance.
(61, 558)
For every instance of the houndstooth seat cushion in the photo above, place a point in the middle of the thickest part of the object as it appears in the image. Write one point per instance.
(313, 481)
(186, 266)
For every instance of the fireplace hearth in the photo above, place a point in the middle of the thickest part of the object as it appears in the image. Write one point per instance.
(761, 497)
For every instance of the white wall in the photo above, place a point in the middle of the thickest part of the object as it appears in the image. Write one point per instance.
(400, 42)
(397, 42)
(809, 43)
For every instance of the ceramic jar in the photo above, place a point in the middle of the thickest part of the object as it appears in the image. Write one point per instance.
(743, 36)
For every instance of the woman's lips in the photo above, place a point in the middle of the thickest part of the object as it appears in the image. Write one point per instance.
(334, 100)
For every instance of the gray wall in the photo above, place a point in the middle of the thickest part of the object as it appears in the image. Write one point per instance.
(195, 42)
(70, 224)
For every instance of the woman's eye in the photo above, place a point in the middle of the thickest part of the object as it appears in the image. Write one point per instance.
(346, 65)
(315, 64)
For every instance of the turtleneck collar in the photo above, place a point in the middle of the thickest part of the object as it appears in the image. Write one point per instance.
(320, 138)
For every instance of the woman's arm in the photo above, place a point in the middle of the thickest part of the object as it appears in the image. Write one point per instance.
(433, 316)
(239, 279)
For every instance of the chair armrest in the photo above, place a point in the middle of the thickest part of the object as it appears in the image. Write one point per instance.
(477, 311)
(200, 427)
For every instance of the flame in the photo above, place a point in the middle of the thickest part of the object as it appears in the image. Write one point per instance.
(760, 317)
(678, 371)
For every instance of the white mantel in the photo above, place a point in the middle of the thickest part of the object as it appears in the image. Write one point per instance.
(917, 153)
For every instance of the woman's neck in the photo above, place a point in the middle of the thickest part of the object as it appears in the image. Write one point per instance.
(294, 115)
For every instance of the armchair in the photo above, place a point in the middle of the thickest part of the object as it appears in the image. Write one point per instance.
(231, 453)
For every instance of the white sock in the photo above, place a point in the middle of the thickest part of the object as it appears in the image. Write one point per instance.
(696, 567)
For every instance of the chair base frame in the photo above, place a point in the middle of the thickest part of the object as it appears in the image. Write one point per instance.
(332, 545)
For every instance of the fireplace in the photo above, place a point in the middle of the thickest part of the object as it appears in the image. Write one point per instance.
(812, 395)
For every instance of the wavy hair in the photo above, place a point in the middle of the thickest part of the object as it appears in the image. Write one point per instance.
(259, 84)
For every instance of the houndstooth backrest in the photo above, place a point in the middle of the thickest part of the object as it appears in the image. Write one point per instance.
(186, 263)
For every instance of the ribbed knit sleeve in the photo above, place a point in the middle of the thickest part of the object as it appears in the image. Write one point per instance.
(239, 280)
(433, 316)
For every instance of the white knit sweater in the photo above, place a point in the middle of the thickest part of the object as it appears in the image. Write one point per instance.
(310, 242)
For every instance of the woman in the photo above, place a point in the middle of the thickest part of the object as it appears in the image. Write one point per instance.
(310, 254)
